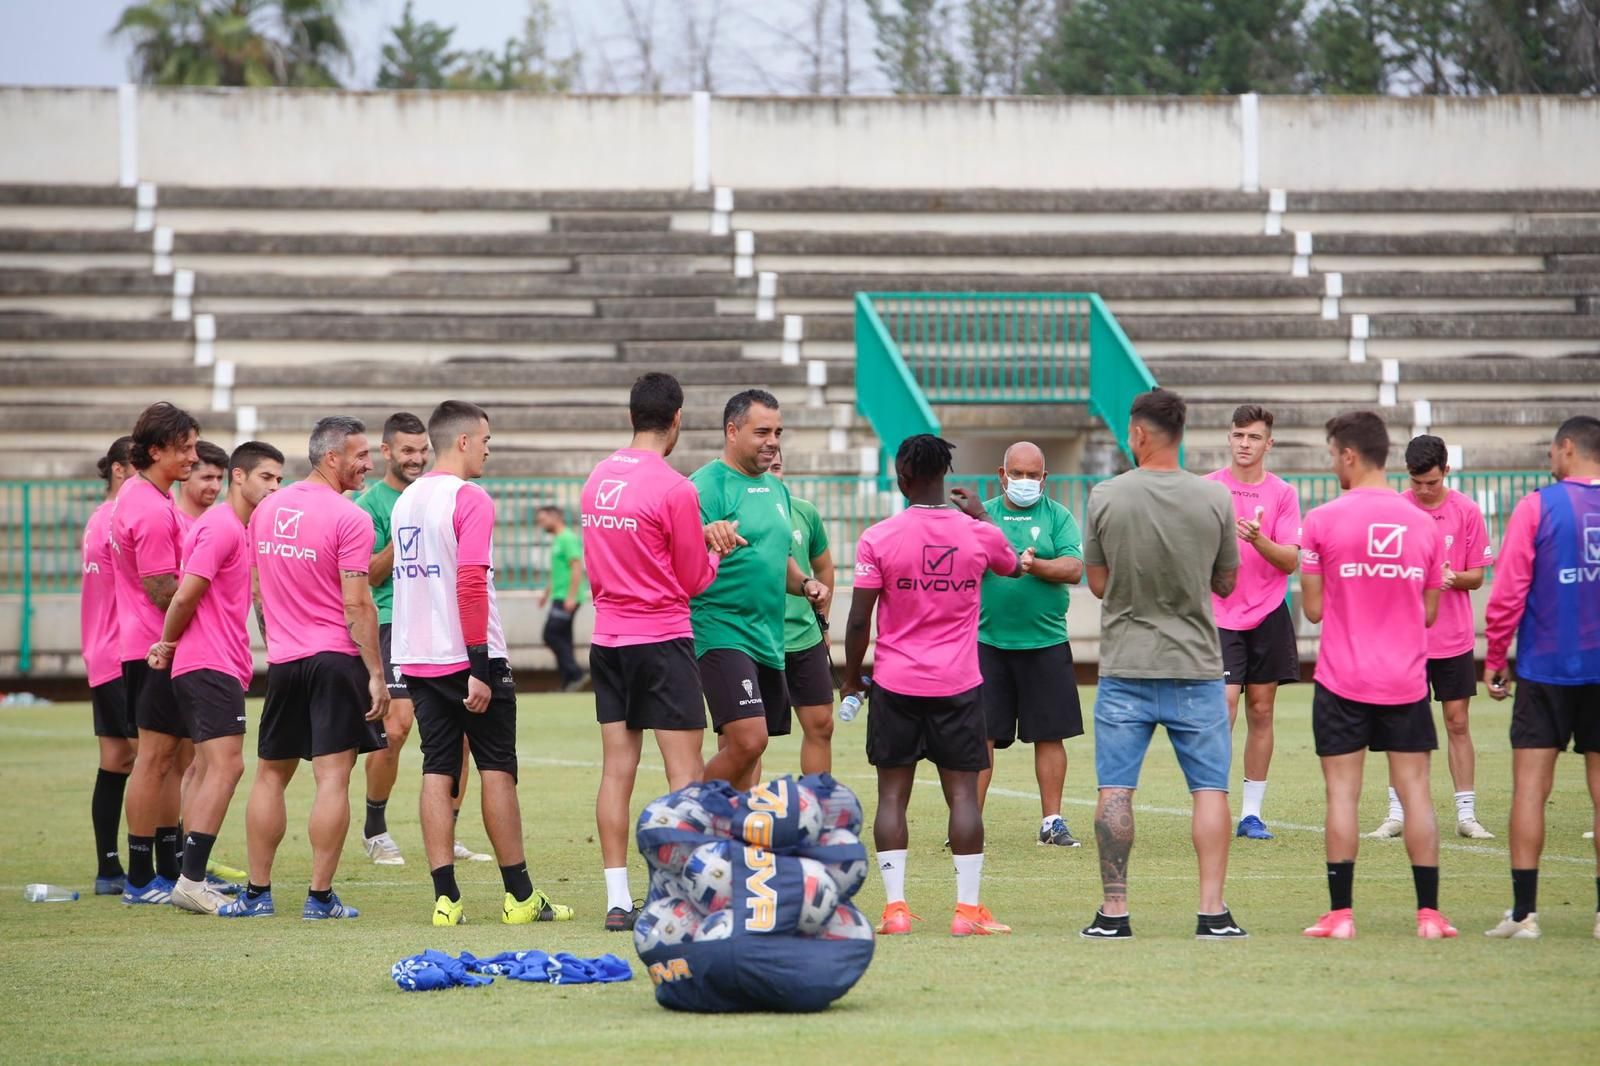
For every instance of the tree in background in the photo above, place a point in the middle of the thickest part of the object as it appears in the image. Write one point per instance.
(418, 55)
(1345, 48)
(913, 46)
(524, 62)
(235, 42)
(1002, 40)
(1533, 46)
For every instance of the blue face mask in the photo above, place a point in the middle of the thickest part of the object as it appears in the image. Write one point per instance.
(1024, 492)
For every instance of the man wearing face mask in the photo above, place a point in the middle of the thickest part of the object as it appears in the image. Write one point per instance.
(1030, 691)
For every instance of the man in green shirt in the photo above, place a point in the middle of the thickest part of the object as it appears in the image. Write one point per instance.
(406, 454)
(568, 590)
(1030, 690)
(738, 620)
(808, 670)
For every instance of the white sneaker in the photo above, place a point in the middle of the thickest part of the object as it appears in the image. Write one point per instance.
(196, 897)
(1388, 830)
(382, 850)
(1589, 835)
(466, 854)
(1527, 929)
(1472, 830)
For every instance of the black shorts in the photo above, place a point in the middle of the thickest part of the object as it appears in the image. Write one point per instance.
(648, 686)
(391, 672)
(113, 714)
(1265, 655)
(1030, 694)
(948, 731)
(1552, 716)
(443, 718)
(318, 706)
(736, 687)
(150, 697)
(1455, 678)
(211, 703)
(809, 675)
(1340, 726)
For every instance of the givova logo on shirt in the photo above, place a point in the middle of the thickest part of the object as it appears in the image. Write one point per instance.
(938, 572)
(1590, 570)
(1385, 540)
(608, 497)
(409, 540)
(286, 527)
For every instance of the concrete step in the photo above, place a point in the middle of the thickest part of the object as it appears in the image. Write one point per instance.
(484, 285)
(997, 201)
(610, 223)
(333, 243)
(656, 307)
(614, 264)
(1171, 245)
(1573, 264)
(343, 198)
(671, 352)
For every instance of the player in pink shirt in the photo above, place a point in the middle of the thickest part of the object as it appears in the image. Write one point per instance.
(114, 726)
(1371, 567)
(144, 552)
(198, 491)
(1254, 626)
(1452, 640)
(326, 693)
(206, 645)
(647, 554)
(922, 573)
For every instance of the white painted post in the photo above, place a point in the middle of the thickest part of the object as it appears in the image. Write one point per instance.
(127, 136)
(1249, 142)
(701, 178)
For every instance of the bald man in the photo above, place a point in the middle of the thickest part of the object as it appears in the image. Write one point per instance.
(1030, 690)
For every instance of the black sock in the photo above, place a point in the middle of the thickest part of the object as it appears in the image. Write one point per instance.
(196, 853)
(1426, 878)
(444, 883)
(167, 852)
(181, 838)
(141, 860)
(517, 881)
(1341, 885)
(1524, 893)
(377, 818)
(105, 810)
(321, 895)
(252, 890)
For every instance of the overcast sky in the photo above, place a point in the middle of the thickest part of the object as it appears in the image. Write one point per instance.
(66, 42)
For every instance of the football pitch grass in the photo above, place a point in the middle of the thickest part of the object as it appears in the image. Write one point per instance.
(97, 981)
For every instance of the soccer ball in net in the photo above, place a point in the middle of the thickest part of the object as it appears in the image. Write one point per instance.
(665, 922)
(820, 897)
(716, 926)
(709, 876)
(847, 876)
(846, 923)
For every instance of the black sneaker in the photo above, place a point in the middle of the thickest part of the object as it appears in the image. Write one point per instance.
(621, 921)
(1104, 928)
(1218, 927)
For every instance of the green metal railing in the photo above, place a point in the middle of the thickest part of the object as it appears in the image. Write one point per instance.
(914, 349)
(41, 522)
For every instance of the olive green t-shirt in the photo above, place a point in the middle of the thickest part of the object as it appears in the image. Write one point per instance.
(378, 501)
(565, 548)
(744, 607)
(1163, 534)
(1029, 612)
(800, 629)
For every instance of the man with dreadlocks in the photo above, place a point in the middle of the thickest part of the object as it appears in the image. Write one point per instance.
(922, 572)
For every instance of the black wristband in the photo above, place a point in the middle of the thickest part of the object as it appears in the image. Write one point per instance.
(478, 662)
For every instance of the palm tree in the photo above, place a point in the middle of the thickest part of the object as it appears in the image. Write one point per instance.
(235, 42)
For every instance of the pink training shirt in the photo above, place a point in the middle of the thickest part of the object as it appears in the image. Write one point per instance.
(929, 564)
(304, 535)
(643, 548)
(144, 543)
(97, 609)
(1261, 586)
(1376, 555)
(218, 549)
(1465, 537)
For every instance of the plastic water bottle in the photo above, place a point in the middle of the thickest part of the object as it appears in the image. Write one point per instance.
(851, 706)
(48, 894)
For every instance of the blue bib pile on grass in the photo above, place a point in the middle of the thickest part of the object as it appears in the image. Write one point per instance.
(749, 906)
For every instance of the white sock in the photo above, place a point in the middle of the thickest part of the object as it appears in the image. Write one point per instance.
(1049, 820)
(892, 865)
(617, 893)
(1254, 793)
(1397, 813)
(969, 875)
(1466, 806)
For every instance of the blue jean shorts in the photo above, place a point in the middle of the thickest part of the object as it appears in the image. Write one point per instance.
(1127, 711)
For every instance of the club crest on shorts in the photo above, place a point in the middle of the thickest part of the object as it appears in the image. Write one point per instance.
(749, 687)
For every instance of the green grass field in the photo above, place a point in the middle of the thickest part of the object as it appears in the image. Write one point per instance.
(95, 981)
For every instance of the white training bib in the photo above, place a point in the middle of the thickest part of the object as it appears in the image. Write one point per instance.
(427, 620)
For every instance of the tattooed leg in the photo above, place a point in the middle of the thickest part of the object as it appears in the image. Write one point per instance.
(1113, 831)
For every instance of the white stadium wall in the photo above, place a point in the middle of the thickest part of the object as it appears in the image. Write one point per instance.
(287, 138)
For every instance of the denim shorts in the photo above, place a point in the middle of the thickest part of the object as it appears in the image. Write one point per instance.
(1127, 711)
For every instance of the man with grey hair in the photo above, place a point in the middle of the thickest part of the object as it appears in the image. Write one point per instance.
(326, 691)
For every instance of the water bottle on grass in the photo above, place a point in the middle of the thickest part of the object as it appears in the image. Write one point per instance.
(48, 894)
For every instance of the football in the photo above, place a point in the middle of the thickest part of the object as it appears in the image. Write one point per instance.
(665, 922)
(846, 923)
(708, 875)
(820, 898)
(809, 815)
(847, 876)
(716, 926)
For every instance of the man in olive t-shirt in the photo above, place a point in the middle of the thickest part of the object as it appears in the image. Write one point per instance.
(738, 620)
(1158, 541)
(1030, 688)
(568, 590)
